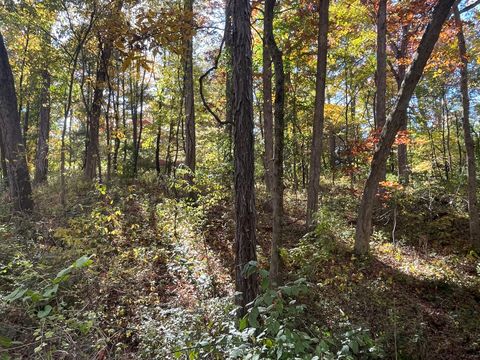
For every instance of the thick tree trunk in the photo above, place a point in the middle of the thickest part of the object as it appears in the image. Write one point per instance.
(17, 169)
(267, 110)
(467, 133)
(41, 159)
(381, 91)
(279, 129)
(189, 101)
(318, 118)
(394, 123)
(245, 214)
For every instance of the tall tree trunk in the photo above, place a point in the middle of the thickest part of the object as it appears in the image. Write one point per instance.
(92, 159)
(17, 169)
(157, 148)
(267, 109)
(394, 123)
(469, 144)
(245, 215)
(138, 140)
(116, 140)
(229, 96)
(26, 123)
(318, 118)
(189, 101)
(381, 91)
(3, 161)
(41, 159)
(402, 154)
(279, 129)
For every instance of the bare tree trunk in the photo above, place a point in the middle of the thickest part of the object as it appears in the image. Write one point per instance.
(318, 118)
(3, 160)
(189, 101)
(108, 133)
(394, 123)
(26, 123)
(459, 146)
(229, 96)
(402, 154)
(138, 140)
(267, 110)
(17, 169)
(245, 214)
(381, 74)
(469, 144)
(92, 159)
(279, 129)
(41, 160)
(116, 140)
(157, 148)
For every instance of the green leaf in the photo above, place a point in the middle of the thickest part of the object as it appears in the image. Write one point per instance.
(62, 275)
(16, 294)
(44, 313)
(50, 291)
(243, 323)
(252, 317)
(5, 342)
(82, 262)
(249, 268)
(354, 346)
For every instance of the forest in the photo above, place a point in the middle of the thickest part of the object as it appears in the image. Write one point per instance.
(239, 179)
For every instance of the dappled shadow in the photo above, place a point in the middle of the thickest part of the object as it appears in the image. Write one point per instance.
(416, 317)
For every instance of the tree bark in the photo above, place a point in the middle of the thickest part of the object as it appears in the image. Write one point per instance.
(3, 161)
(92, 160)
(17, 169)
(189, 100)
(402, 154)
(474, 221)
(318, 118)
(229, 96)
(267, 109)
(245, 214)
(381, 91)
(279, 129)
(41, 159)
(394, 122)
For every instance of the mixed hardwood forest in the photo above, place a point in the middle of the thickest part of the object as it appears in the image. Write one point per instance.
(235, 179)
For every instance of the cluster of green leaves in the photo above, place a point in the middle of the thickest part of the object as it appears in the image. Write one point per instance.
(47, 309)
(276, 326)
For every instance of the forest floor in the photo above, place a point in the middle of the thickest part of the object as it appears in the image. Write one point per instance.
(162, 271)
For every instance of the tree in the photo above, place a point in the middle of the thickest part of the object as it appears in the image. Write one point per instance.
(279, 129)
(41, 159)
(381, 74)
(245, 214)
(474, 220)
(17, 169)
(394, 122)
(92, 155)
(267, 105)
(318, 118)
(189, 101)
